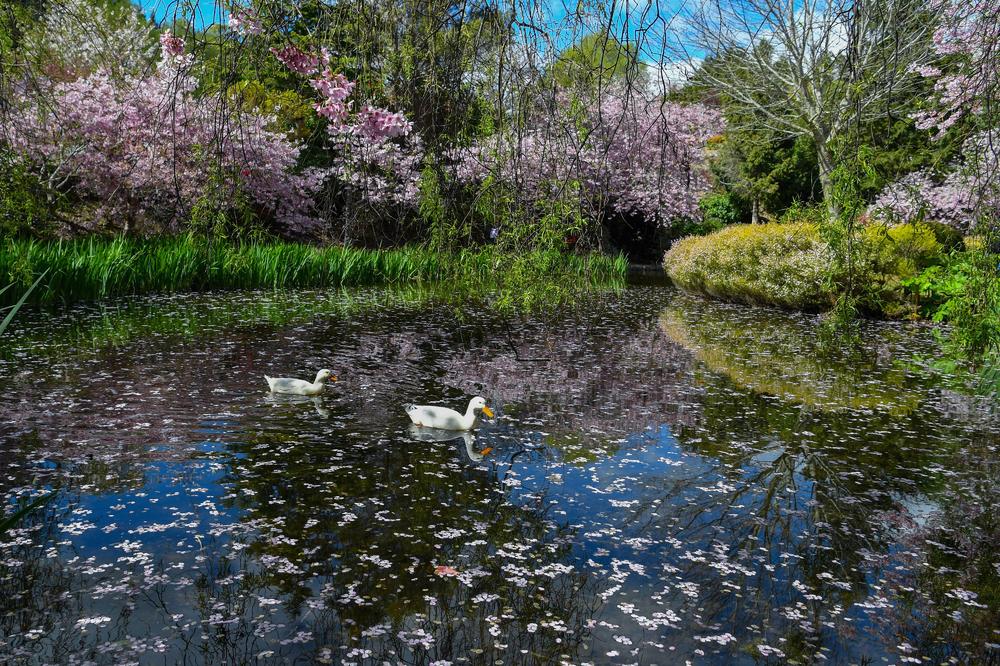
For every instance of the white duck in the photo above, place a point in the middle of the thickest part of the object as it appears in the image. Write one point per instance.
(448, 419)
(300, 386)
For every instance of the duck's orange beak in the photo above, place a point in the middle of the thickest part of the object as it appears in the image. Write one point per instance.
(487, 411)
(486, 451)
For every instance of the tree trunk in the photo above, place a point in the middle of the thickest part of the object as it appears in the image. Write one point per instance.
(825, 160)
(755, 211)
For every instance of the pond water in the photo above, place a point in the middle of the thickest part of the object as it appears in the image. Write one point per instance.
(667, 481)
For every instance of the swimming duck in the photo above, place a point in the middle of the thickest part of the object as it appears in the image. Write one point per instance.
(300, 386)
(448, 419)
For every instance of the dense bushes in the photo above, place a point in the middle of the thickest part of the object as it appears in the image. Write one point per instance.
(888, 256)
(24, 209)
(780, 264)
(789, 265)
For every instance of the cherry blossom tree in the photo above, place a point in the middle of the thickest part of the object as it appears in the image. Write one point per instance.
(149, 148)
(78, 36)
(629, 154)
(968, 33)
(373, 153)
(966, 83)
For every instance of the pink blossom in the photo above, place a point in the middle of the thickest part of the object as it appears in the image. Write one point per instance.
(147, 147)
(957, 199)
(630, 155)
(245, 21)
(171, 44)
(296, 59)
(380, 124)
(969, 30)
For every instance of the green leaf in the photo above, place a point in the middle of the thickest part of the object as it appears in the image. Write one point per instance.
(17, 306)
(15, 518)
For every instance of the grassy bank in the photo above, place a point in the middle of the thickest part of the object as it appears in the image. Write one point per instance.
(96, 268)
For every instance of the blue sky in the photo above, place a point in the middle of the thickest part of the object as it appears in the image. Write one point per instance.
(636, 20)
(206, 11)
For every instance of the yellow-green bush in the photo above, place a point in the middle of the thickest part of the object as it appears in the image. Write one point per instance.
(778, 264)
(789, 265)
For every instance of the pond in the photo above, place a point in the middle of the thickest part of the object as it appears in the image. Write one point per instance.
(667, 480)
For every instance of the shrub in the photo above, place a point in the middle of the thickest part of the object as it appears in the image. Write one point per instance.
(901, 249)
(778, 264)
(24, 208)
(718, 210)
(890, 256)
(950, 238)
(800, 213)
(789, 265)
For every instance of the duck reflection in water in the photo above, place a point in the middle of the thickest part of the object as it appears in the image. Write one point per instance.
(423, 434)
(276, 399)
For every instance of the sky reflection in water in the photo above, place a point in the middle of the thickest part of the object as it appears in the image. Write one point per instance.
(670, 480)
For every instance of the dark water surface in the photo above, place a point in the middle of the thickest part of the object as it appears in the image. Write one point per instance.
(671, 481)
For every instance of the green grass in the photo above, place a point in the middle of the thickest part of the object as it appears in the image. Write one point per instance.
(98, 268)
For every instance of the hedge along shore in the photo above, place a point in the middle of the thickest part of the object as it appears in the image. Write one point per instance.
(790, 265)
(765, 264)
(99, 268)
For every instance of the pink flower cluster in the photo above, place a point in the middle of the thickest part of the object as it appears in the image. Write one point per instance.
(380, 172)
(969, 32)
(379, 124)
(966, 194)
(335, 91)
(147, 147)
(630, 155)
(967, 35)
(296, 59)
(245, 21)
(171, 45)
(366, 162)
(918, 196)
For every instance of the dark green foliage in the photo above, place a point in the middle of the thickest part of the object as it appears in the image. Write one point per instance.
(766, 174)
(718, 210)
(25, 208)
(896, 147)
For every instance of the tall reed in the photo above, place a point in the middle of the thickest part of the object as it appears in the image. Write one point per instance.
(96, 268)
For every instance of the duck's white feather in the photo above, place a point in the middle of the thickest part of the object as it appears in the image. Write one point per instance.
(432, 416)
(437, 417)
(298, 386)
